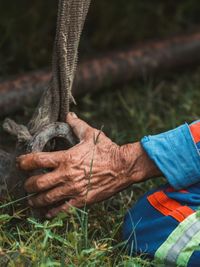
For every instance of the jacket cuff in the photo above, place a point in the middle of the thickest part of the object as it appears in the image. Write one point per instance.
(176, 155)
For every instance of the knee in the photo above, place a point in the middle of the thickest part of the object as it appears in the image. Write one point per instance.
(144, 229)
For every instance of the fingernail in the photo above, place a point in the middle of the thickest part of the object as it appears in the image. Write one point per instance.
(73, 115)
(30, 202)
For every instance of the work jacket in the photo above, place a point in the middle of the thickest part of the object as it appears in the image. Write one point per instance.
(164, 224)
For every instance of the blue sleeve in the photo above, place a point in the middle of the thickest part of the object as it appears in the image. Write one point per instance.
(176, 155)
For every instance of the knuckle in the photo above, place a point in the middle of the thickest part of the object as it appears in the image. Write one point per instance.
(39, 184)
(83, 194)
(35, 158)
(79, 188)
(40, 158)
(48, 198)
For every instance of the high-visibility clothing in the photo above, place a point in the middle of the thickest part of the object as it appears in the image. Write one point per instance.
(165, 223)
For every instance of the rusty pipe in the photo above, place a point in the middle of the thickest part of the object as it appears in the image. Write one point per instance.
(112, 68)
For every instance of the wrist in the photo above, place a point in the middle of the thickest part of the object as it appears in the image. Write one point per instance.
(138, 165)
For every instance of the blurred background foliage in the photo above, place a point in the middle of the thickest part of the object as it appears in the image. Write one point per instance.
(27, 28)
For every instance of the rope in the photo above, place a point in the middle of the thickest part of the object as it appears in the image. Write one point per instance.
(55, 102)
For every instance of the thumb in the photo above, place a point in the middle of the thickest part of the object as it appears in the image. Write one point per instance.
(79, 127)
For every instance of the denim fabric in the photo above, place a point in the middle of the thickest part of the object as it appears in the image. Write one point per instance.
(176, 155)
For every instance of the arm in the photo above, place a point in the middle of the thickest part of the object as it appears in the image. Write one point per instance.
(92, 171)
(176, 153)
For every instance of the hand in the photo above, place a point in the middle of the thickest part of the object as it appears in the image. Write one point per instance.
(93, 170)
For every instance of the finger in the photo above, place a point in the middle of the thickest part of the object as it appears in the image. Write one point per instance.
(38, 160)
(51, 197)
(79, 127)
(43, 182)
(64, 207)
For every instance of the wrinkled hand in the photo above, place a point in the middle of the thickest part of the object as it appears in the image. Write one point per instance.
(92, 171)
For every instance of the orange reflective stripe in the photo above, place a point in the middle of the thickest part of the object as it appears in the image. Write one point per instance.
(181, 213)
(195, 130)
(169, 207)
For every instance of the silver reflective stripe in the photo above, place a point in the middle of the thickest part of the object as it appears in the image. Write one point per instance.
(176, 249)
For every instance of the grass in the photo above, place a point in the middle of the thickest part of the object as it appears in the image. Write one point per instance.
(92, 237)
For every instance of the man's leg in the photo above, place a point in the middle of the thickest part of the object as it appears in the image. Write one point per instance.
(165, 225)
